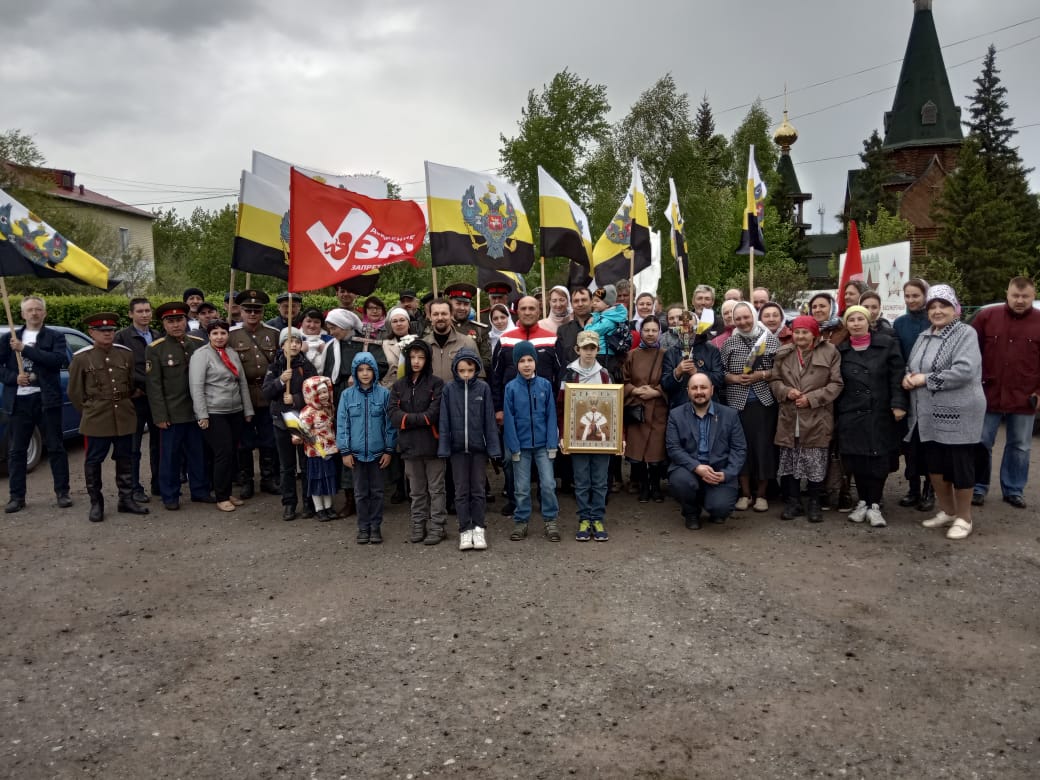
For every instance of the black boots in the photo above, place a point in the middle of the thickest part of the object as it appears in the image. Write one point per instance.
(792, 498)
(125, 485)
(268, 472)
(92, 474)
(927, 502)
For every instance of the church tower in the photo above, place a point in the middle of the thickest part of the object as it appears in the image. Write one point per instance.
(922, 131)
(791, 191)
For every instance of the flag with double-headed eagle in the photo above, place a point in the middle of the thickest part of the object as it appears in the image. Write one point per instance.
(476, 219)
(262, 231)
(678, 231)
(751, 240)
(626, 241)
(31, 247)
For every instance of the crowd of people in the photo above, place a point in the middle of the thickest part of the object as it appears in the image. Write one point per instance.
(420, 399)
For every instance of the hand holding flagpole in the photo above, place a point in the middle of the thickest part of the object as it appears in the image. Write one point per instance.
(10, 322)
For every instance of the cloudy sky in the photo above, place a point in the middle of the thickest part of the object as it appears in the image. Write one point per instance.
(159, 103)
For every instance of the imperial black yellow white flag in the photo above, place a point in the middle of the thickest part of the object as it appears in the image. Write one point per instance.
(626, 239)
(563, 226)
(476, 219)
(678, 231)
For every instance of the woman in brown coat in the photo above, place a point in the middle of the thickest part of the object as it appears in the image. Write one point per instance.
(806, 381)
(644, 442)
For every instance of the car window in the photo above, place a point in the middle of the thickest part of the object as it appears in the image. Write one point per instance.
(76, 342)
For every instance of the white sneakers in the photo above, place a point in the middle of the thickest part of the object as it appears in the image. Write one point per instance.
(742, 504)
(473, 540)
(874, 516)
(466, 540)
(941, 520)
(859, 514)
(959, 527)
(761, 505)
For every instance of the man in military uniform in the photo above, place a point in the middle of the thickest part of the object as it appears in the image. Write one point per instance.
(497, 292)
(256, 344)
(461, 296)
(180, 443)
(101, 383)
(288, 311)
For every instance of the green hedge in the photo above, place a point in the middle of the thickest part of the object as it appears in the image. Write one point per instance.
(69, 310)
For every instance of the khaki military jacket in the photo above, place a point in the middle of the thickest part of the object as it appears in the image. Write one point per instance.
(101, 383)
(256, 350)
(166, 378)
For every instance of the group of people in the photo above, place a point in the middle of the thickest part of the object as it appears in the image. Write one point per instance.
(421, 398)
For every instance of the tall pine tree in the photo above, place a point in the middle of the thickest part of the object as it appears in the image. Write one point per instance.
(989, 222)
(869, 194)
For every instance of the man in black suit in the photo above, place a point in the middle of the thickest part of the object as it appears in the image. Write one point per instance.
(30, 369)
(137, 337)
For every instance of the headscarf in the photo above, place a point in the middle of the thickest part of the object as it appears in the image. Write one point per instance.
(394, 312)
(343, 318)
(494, 334)
(945, 293)
(755, 330)
(808, 322)
(832, 320)
(642, 341)
(779, 308)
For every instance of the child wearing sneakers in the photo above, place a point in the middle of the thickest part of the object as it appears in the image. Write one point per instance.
(590, 470)
(469, 437)
(530, 432)
(366, 440)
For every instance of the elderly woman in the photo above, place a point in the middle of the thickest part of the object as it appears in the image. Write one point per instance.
(947, 407)
(727, 323)
(772, 316)
(871, 301)
(399, 326)
(747, 358)
(869, 410)
(907, 328)
(559, 309)
(220, 396)
(806, 380)
(315, 340)
(641, 375)
(283, 388)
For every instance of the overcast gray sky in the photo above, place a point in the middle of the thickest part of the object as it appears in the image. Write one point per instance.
(177, 94)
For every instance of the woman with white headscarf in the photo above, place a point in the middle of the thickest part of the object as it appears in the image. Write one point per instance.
(747, 357)
(398, 324)
(501, 322)
(560, 312)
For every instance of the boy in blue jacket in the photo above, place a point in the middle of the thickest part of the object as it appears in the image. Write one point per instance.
(469, 437)
(366, 439)
(530, 431)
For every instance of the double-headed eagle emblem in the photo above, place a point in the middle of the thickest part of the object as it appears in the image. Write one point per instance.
(490, 219)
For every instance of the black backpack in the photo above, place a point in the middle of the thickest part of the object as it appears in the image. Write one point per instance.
(619, 340)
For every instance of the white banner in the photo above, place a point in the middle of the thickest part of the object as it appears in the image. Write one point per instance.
(886, 269)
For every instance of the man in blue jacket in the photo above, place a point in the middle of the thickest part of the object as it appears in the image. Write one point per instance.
(32, 397)
(706, 447)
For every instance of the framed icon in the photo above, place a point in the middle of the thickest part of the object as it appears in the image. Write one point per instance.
(592, 419)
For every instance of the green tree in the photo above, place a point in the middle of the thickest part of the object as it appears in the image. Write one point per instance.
(989, 122)
(978, 232)
(21, 149)
(868, 194)
(887, 229)
(756, 128)
(712, 145)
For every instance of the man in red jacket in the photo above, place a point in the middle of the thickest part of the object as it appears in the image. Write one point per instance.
(1009, 339)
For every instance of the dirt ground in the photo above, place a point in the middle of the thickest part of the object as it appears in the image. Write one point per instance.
(197, 644)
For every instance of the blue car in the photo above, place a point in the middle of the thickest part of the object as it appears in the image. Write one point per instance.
(74, 340)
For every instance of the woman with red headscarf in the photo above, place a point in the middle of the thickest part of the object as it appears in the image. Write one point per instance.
(806, 380)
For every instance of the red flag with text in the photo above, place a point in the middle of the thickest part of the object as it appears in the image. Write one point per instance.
(336, 234)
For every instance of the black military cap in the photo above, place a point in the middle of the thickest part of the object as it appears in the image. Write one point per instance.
(172, 309)
(103, 320)
(461, 290)
(252, 299)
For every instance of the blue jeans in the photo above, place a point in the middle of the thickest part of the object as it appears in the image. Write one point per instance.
(546, 483)
(590, 485)
(1014, 466)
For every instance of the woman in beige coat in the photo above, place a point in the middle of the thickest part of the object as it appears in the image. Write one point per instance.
(806, 381)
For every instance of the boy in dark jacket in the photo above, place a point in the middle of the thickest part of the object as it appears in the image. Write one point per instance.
(469, 436)
(415, 411)
(366, 439)
(531, 436)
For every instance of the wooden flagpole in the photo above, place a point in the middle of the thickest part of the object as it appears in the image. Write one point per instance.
(632, 286)
(476, 311)
(231, 296)
(545, 293)
(687, 303)
(10, 322)
(249, 281)
(434, 269)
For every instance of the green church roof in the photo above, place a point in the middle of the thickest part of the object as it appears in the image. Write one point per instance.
(785, 168)
(923, 112)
